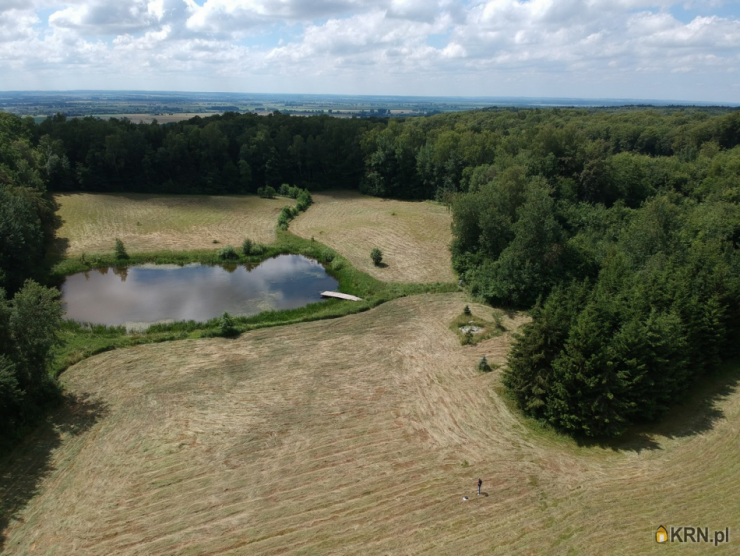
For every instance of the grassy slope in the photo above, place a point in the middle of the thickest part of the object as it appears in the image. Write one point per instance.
(355, 435)
(91, 222)
(414, 237)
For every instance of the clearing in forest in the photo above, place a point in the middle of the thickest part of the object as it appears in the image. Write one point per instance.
(150, 222)
(285, 441)
(414, 237)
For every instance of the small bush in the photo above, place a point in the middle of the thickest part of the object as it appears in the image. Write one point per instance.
(247, 247)
(267, 192)
(327, 256)
(228, 328)
(258, 249)
(483, 365)
(284, 189)
(337, 265)
(467, 338)
(377, 256)
(215, 241)
(467, 311)
(227, 253)
(120, 250)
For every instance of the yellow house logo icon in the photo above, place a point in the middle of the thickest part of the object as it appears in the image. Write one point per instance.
(661, 535)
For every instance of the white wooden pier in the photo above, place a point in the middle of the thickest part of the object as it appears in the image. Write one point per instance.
(341, 296)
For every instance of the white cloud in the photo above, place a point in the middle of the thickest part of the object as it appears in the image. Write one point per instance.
(100, 17)
(571, 47)
(416, 10)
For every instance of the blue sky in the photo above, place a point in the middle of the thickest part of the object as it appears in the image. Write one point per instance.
(638, 49)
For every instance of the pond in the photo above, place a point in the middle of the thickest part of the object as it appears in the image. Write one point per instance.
(140, 295)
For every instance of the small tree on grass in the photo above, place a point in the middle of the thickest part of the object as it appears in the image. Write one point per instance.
(120, 250)
(377, 256)
(467, 338)
(483, 365)
(247, 247)
(228, 328)
(467, 311)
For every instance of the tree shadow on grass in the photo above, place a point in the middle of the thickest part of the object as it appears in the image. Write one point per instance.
(24, 469)
(57, 249)
(697, 414)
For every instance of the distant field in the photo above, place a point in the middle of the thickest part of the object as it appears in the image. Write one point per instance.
(358, 435)
(91, 222)
(414, 236)
(161, 118)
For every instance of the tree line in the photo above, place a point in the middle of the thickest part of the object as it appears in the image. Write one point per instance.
(225, 154)
(30, 314)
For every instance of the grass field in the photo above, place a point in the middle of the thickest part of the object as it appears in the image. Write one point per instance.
(414, 237)
(91, 222)
(347, 436)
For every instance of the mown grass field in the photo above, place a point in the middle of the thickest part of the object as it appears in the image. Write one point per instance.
(144, 222)
(413, 236)
(348, 436)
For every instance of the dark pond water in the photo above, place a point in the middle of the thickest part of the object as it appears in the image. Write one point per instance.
(155, 293)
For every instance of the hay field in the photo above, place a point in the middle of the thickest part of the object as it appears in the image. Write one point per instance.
(351, 436)
(144, 222)
(414, 236)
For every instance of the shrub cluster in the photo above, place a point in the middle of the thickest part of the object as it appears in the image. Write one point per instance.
(228, 253)
(267, 192)
(303, 201)
(251, 248)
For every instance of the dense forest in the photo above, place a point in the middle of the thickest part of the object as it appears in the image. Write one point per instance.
(216, 155)
(30, 314)
(618, 228)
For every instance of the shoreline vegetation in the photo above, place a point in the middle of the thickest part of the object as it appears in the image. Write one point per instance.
(83, 340)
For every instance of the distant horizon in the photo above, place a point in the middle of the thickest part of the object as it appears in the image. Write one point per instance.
(627, 101)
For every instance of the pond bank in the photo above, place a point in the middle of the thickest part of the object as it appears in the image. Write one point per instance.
(80, 341)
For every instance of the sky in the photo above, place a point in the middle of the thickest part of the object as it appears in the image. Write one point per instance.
(619, 49)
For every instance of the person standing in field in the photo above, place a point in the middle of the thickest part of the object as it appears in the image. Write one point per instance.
(480, 482)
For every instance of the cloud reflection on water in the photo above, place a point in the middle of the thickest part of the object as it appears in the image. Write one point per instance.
(152, 294)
